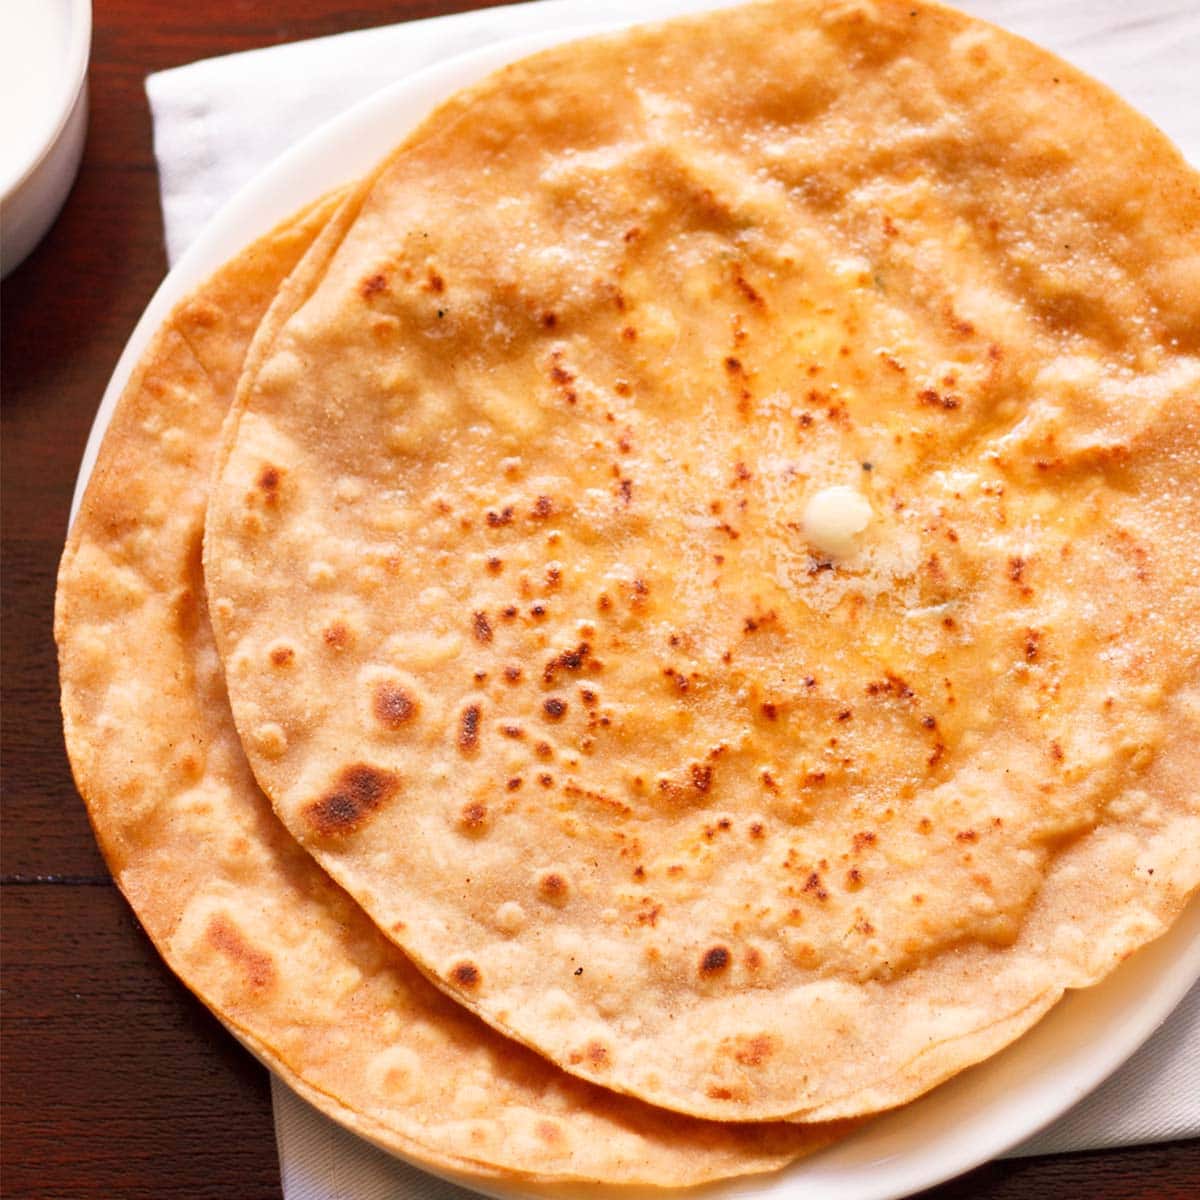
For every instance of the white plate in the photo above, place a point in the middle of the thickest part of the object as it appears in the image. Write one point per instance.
(976, 1116)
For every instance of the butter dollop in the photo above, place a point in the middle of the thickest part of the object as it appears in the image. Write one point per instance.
(833, 519)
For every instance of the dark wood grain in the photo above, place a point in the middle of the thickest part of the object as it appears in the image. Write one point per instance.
(116, 1082)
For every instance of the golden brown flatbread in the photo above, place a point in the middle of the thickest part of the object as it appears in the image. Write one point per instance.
(709, 562)
(237, 909)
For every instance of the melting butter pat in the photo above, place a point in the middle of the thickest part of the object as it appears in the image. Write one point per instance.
(833, 519)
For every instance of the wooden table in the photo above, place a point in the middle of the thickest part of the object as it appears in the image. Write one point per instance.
(116, 1082)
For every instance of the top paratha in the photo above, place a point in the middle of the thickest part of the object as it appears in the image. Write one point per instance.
(538, 637)
(236, 908)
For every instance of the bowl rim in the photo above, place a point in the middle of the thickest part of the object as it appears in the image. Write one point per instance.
(79, 45)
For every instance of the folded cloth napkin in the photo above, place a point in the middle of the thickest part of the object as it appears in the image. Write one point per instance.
(217, 122)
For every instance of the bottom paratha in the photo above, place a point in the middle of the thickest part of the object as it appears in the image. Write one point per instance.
(237, 909)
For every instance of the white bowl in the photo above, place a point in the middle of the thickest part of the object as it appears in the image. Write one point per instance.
(44, 47)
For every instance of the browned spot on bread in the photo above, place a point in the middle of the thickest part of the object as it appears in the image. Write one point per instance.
(337, 636)
(257, 966)
(473, 817)
(597, 1055)
(754, 1051)
(715, 961)
(282, 656)
(543, 507)
(554, 707)
(372, 286)
(499, 519)
(269, 480)
(553, 888)
(356, 793)
(468, 728)
(466, 975)
(1032, 644)
(393, 706)
(550, 1133)
(481, 628)
(701, 776)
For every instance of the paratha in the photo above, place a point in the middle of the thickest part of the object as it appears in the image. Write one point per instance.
(237, 909)
(709, 563)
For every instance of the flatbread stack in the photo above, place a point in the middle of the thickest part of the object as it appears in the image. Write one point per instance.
(697, 550)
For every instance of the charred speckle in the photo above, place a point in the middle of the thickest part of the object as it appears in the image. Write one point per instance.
(509, 612)
(929, 722)
(626, 488)
(466, 975)
(512, 674)
(537, 610)
(393, 706)
(747, 289)
(543, 507)
(568, 660)
(554, 708)
(495, 565)
(932, 397)
(468, 732)
(481, 627)
(282, 656)
(549, 320)
(356, 793)
(714, 961)
(503, 517)
(701, 777)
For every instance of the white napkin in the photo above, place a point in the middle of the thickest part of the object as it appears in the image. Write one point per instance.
(218, 122)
